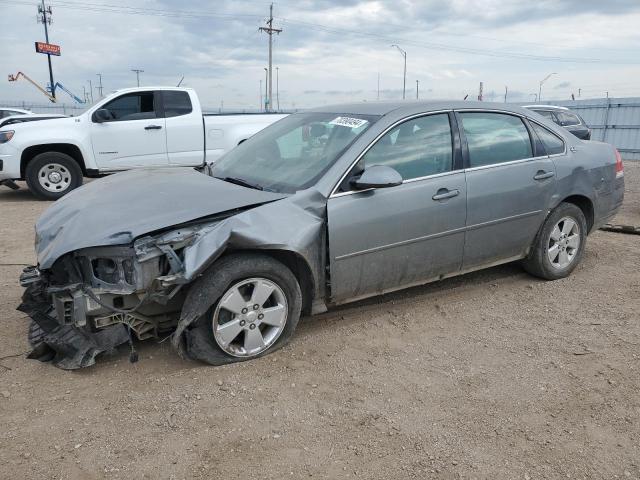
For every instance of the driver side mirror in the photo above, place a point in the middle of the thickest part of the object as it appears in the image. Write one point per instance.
(102, 115)
(377, 176)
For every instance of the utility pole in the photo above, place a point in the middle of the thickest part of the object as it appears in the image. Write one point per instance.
(278, 86)
(91, 90)
(378, 85)
(266, 93)
(137, 72)
(579, 92)
(269, 30)
(506, 90)
(417, 94)
(260, 91)
(44, 16)
(404, 78)
(480, 92)
(99, 87)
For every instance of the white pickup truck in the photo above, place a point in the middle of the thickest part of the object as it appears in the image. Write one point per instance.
(131, 128)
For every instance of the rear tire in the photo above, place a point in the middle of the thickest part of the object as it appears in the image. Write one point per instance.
(220, 336)
(559, 245)
(50, 175)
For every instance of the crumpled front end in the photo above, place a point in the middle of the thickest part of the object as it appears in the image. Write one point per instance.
(91, 300)
(95, 299)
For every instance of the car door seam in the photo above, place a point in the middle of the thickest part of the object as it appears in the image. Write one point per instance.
(435, 235)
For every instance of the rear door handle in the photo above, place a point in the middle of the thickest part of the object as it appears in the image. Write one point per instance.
(445, 193)
(542, 175)
(153, 127)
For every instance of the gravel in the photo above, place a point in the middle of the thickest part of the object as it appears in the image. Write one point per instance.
(494, 374)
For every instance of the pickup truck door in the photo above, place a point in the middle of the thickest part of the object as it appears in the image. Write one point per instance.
(389, 238)
(185, 128)
(134, 137)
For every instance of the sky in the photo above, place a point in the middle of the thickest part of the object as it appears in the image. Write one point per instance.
(330, 51)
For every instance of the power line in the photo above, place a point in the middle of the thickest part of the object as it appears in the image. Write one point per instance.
(98, 7)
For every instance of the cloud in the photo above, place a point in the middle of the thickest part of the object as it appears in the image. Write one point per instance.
(330, 50)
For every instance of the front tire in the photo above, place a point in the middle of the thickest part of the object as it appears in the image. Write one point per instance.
(559, 245)
(252, 306)
(50, 175)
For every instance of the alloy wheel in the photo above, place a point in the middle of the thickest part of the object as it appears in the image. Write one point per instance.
(564, 243)
(250, 317)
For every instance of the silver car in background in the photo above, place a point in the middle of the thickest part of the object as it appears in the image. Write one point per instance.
(321, 208)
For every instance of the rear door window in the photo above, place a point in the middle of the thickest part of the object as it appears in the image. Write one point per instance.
(547, 114)
(552, 144)
(176, 103)
(567, 119)
(494, 138)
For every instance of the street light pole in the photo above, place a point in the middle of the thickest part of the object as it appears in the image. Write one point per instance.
(404, 78)
(541, 83)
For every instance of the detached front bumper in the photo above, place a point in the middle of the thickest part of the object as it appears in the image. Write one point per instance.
(67, 346)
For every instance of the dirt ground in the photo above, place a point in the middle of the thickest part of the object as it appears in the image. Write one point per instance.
(493, 375)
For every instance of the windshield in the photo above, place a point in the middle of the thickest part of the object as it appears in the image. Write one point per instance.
(293, 153)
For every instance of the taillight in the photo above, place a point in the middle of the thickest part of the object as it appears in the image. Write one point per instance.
(619, 166)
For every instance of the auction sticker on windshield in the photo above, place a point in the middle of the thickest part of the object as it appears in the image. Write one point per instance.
(348, 122)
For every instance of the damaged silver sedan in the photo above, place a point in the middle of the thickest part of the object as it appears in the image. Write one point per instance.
(322, 208)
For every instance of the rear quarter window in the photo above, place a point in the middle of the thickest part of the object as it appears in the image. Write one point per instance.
(552, 144)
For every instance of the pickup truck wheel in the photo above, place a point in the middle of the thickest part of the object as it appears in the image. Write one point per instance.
(253, 305)
(50, 175)
(559, 245)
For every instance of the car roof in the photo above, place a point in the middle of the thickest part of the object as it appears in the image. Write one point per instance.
(383, 108)
(545, 107)
(12, 109)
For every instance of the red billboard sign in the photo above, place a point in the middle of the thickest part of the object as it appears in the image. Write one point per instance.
(48, 48)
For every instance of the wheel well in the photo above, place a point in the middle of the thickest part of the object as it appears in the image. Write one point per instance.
(584, 204)
(302, 272)
(71, 150)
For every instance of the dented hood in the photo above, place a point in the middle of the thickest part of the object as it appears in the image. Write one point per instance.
(117, 209)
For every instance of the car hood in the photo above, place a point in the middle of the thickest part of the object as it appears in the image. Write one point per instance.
(117, 209)
(51, 123)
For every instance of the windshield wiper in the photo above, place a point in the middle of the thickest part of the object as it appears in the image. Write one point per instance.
(239, 181)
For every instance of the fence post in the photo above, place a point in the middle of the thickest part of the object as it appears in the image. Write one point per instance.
(606, 120)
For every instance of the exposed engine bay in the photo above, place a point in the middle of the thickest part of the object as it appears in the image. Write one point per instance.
(116, 292)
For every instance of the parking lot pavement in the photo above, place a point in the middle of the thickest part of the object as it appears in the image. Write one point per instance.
(490, 375)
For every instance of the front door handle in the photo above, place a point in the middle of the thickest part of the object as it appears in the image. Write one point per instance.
(542, 175)
(445, 193)
(152, 127)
